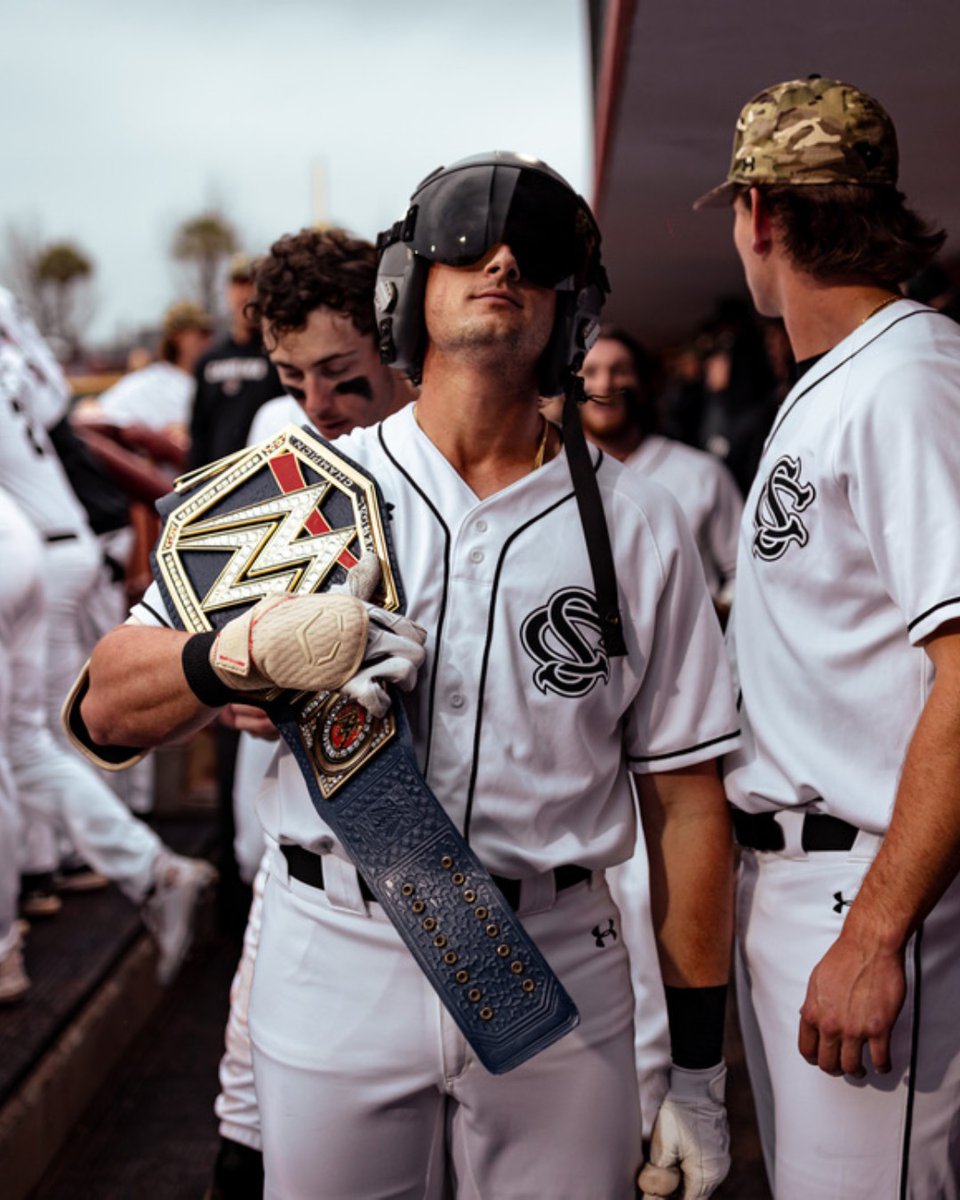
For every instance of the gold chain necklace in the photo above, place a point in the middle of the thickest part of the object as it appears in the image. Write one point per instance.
(541, 448)
(882, 305)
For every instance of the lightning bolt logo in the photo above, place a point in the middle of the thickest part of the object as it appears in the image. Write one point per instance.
(268, 554)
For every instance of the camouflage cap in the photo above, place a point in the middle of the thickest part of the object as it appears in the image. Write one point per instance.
(807, 131)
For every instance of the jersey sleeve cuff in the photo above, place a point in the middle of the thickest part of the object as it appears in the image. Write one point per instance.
(928, 622)
(687, 756)
(110, 758)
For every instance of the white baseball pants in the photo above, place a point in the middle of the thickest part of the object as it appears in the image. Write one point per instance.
(367, 1088)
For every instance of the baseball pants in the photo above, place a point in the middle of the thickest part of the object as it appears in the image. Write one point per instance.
(885, 1137)
(368, 1089)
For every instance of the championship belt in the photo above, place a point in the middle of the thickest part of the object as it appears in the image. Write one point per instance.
(293, 515)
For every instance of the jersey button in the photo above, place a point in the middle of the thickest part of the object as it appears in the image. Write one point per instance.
(481, 527)
(476, 556)
(457, 700)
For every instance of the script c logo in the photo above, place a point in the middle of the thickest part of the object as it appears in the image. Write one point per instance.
(563, 638)
(776, 520)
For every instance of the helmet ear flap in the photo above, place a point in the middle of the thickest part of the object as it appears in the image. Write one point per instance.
(575, 329)
(398, 302)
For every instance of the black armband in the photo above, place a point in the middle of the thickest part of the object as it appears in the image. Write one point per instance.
(202, 679)
(695, 1016)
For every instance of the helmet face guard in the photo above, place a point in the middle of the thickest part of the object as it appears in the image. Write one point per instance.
(456, 215)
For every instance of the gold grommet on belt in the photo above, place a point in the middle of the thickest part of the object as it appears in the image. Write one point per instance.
(462, 976)
(469, 895)
(486, 1013)
(458, 878)
(528, 985)
(440, 941)
(446, 862)
(481, 913)
(408, 889)
(429, 924)
(450, 957)
(503, 951)
(418, 906)
(474, 995)
(493, 930)
(516, 967)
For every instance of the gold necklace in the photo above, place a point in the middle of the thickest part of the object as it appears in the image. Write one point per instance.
(541, 448)
(883, 304)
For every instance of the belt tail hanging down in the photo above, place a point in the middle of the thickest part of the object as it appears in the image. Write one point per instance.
(292, 515)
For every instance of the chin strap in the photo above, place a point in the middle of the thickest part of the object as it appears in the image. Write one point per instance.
(592, 519)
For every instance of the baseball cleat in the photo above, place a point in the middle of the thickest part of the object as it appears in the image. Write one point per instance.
(14, 982)
(37, 897)
(80, 878)
(169, 911)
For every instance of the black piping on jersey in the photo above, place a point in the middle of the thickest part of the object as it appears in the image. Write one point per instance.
(912, 1085)
(162, 619)
(924, 615)
(472, 786)
(725, 737)
(917, 312)
(431, 695)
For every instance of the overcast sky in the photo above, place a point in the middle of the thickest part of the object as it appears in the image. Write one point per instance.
(121, 118)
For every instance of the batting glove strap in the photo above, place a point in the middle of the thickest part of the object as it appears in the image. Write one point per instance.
(691, 1138)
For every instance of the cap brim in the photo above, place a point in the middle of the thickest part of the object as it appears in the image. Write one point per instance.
(718, 197)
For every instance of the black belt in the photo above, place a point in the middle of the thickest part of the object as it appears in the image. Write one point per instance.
(308, 868)
(760, 831)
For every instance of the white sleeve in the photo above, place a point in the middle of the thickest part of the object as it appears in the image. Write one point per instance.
(274, 416)
(152, 610)
(684, 712)
(898, 457)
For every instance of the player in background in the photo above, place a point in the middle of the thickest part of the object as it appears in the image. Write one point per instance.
(845, 638)
(233, 378)
(362, 1081)
(313, 301)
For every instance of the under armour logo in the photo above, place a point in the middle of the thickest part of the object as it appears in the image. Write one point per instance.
(563, 637)
(782, 499)
(600, 935)
(841, 904)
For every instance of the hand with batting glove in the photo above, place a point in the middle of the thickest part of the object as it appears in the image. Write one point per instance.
(322, 642)
(690, 1146)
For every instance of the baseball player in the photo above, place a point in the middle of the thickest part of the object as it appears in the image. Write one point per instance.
(61, 796)
(844, 634)
(526, 728)
(314, 301)
(620, 417)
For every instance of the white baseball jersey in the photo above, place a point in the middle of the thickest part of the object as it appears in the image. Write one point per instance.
(156, 396)
(708, 496)
(51, 391)
(273, 416)
(30, 468)
(849, 558)
(516, 687)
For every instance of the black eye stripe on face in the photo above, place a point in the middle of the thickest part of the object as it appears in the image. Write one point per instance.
(298, 394)
(358, 386)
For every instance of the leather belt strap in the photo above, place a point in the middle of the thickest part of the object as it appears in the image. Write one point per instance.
(820, 831)
(308, 868)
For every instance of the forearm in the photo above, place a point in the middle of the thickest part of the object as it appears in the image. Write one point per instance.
(686, 825)
(920, 853)
(138, 695)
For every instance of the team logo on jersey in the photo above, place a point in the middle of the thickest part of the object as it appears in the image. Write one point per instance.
(777, 518)
(563, 638)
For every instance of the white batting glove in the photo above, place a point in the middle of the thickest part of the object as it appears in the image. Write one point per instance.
(394, 654)
(691, 1140)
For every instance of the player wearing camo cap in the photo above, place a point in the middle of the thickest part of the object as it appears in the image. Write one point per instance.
(844, 636)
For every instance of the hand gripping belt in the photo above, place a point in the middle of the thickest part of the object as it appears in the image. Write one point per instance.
(292, 515)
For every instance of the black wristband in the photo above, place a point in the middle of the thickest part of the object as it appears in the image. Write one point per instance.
(695, 1016)
(202, 679)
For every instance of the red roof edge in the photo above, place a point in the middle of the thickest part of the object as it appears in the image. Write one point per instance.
(613, 54)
